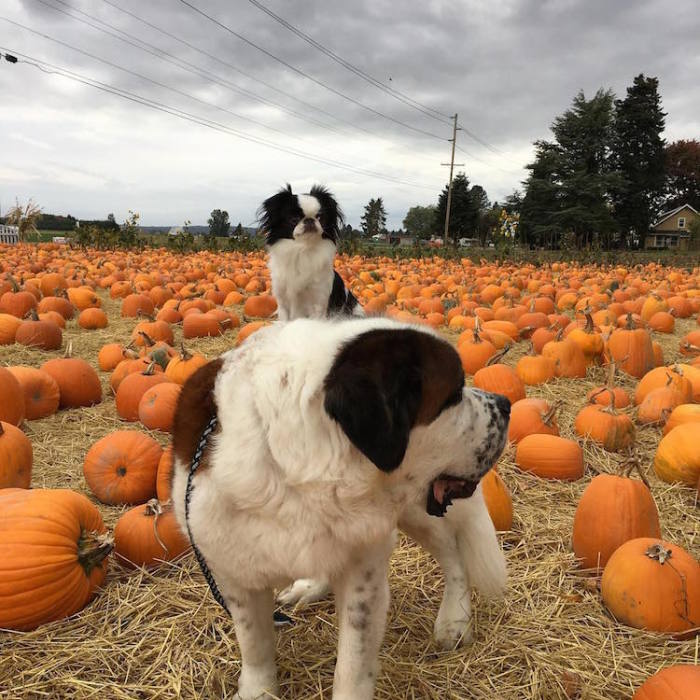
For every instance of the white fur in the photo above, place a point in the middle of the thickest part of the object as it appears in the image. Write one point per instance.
(301, 270)
(286, 496)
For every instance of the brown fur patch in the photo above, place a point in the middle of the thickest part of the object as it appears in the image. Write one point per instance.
(195, 408)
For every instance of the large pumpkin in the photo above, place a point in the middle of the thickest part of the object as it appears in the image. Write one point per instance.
(677, 457)
(77, 381)
(612, 510)
(614, 431)
(550, 457)
(652, 584)
(498, 501)
(631, 349)
(40, 390)
(15, 458)
(183, 365)
(157, 406)
(148, 535)
(165, 473)
(35, 333)
(681, 682)
(122, 467)
(53, 549)
(11, 398)
(530, 416)
(500, 379)
(132, 389)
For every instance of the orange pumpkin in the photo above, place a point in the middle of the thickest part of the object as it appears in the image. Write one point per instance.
(164, 477)
(614, 431)
(631, 349)
(532, 416)
(53, 549)
(664, 377)
(474, 351)
(199, 325)
(16, 458)
(498, 501)
(35, 333)
(654, 585)
(535, 369)
(8, 328)
(147, 535)
(122, 467)
(182, 366)
(248, 330)
(157, 406)
(12, 401)
(550, 457)
(92, 319)
(681, 682)
(40, 390)
(612, 510)
(132, 389)
(685, 413)
(677, 457)
(260, 306)
(500, 379)
(77, 381)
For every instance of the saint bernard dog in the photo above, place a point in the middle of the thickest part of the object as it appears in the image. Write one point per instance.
(330, 435)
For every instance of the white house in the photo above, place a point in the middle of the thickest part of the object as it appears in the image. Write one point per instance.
(9, 234)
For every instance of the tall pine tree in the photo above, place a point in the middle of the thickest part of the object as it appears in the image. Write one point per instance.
(464, 209)
(638, 156)
(374, 219)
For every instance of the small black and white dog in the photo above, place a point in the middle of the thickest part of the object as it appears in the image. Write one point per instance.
(302, 232)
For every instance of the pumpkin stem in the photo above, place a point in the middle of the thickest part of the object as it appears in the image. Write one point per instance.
(589, 320)
(611, 375)
(13, 282)
(548, 417)
(659, 553)
(525, 330)
(495, 359)
(150, 369)
(69, 350)
(184, 353)
(155, 509)
(32, 315)
(634, 465)
(147, 339)
(93, 547)
(629, 323)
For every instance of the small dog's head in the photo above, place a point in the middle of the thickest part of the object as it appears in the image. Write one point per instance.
(400, 398)
(300, 216)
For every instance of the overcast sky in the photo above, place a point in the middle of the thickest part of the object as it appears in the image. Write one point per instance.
(508, 67)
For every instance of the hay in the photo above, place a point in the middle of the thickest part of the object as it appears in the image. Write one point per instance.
(161, 635)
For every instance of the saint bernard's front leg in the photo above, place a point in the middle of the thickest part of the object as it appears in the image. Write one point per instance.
(362, 602)
(252, 618)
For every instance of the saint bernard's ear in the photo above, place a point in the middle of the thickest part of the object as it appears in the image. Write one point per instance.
(386, 381)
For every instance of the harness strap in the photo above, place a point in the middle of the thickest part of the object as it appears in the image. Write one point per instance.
(196, 460)
(279, 617)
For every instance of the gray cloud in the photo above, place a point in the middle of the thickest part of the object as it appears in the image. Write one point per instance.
(507, 67)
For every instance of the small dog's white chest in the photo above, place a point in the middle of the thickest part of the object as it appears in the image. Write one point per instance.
(302, 277)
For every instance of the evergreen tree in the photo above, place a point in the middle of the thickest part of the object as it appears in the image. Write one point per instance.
(238, 232)
(480, 204)
(419, 221)
(584, 137)
(682, 174)
(541, 203)
(219, 224)
(464, 209)
(638, 156)
(373, 220)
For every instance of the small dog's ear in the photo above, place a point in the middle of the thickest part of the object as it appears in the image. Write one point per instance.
(331, 212)
(273, 208)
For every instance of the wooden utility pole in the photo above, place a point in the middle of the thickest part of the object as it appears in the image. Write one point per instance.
(449, 187)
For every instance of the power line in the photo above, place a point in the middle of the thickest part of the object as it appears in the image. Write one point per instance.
(309, 77)
(396, 94)
(149, 80)
(483, 162)
(47, 67)
(174, 60)
(234, 87)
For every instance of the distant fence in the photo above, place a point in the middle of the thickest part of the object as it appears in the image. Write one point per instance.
(9, 234)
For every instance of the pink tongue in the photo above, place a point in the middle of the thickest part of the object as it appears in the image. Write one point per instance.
(442, 487)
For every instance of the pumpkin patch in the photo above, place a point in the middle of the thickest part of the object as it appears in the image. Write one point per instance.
(584, 354)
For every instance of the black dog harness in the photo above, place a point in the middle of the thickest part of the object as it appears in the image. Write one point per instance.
(279, 618)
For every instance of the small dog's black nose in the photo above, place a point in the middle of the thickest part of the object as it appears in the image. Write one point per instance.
(309, 223)
(503, 405)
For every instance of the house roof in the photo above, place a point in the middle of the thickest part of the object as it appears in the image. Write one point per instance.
(669, 214)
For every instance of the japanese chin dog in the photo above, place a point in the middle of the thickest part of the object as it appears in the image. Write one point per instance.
(302, 233)
(330, 435)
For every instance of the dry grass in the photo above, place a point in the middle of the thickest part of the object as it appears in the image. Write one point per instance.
(161, 635)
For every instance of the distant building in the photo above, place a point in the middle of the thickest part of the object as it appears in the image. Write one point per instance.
(671, 229)
(175, 231)
(9, 234)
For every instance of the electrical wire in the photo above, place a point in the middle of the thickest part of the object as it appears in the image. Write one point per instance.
(47, 67)
(298, 71)
(396, 94)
